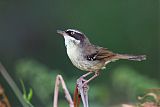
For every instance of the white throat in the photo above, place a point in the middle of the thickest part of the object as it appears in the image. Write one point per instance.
(71, 42)
(72, 48)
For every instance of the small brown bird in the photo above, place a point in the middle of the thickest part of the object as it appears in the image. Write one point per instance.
(89, 57)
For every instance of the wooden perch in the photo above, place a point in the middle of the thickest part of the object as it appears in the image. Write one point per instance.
(59, 80)
(83, 90)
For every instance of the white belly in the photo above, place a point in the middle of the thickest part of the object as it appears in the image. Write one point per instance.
(75, 57)
(80, 61)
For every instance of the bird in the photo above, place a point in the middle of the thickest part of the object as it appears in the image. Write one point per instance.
(89, 57)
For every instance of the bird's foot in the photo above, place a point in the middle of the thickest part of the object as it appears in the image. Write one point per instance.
(90, 79)
(81, 83)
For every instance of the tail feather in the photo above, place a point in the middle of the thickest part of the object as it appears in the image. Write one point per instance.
(132, 57)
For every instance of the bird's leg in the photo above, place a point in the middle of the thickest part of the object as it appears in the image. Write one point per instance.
(90, 79)
(83, 76)
(83, 81)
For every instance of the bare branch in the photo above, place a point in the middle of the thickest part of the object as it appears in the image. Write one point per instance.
(83, 90)
(59, 80)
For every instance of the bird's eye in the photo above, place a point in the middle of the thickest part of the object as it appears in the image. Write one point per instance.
(72, 33)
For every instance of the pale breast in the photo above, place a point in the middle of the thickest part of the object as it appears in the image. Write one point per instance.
(76, 58)
(80, 61)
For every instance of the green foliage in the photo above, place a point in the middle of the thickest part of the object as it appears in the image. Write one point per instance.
(150, 96)
(27, 97)
(39, 77)
(99, 94)
(129, 81)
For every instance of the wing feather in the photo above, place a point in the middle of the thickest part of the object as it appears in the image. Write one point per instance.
(98, 53)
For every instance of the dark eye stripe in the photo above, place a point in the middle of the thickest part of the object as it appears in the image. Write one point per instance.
(76, 35)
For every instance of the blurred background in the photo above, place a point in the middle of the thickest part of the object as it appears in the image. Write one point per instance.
(31, 50)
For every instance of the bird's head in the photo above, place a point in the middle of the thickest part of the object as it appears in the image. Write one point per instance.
(73, 37)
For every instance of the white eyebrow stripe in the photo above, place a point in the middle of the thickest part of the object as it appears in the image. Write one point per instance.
(74, 31)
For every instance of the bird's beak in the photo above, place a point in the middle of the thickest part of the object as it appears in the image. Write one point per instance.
(61, 32)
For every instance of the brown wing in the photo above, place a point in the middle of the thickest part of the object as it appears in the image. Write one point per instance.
(98, 53)
(105, 54)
